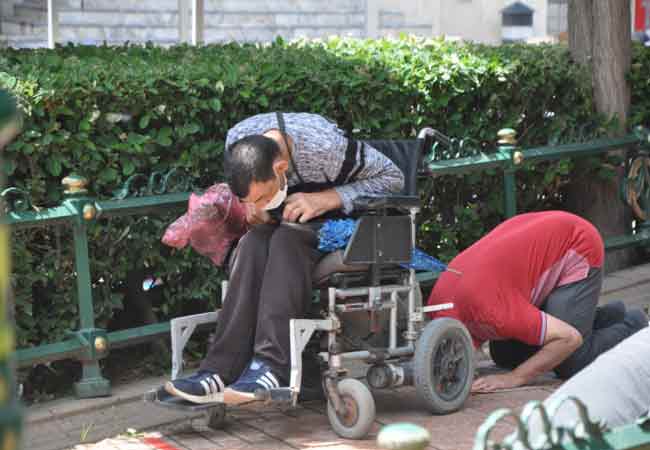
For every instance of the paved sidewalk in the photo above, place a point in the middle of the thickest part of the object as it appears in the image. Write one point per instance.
(131, 424)
(135, 425)
(307, 426)
(63, 423)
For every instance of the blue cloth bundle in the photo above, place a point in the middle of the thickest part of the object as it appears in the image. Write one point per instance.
(335, 234)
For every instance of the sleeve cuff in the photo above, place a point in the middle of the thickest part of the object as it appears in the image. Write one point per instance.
(542, 333)
(347, 196)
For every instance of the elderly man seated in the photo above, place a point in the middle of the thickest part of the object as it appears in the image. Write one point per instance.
(287, 168)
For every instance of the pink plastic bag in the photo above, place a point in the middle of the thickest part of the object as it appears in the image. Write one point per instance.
(213, 222)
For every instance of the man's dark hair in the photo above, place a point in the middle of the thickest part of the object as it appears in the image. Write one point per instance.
(250, 159)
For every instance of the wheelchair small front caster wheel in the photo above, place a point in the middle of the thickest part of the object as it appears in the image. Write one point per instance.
(216, 417)
(443, 366)
(359, 414)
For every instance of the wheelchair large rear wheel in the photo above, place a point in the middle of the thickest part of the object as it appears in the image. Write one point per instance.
(359, 414)
(444, 365)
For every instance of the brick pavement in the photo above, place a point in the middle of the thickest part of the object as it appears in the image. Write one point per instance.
(307, 427)
(62, 424)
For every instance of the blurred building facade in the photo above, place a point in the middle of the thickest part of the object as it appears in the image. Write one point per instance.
(24, 23)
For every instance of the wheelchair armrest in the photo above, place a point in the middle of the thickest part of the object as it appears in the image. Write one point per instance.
(386, 202)
(181, 329)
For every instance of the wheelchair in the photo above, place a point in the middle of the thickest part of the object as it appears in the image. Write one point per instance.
(368, 309)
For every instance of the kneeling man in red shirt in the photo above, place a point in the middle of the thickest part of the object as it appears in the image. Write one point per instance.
(531, 288)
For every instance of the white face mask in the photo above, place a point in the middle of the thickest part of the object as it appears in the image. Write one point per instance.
(278, 198)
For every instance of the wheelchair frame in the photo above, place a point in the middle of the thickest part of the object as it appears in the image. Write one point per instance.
(350, 403)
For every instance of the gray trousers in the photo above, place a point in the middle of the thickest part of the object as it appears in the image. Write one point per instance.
(576, 304)
(270, 283)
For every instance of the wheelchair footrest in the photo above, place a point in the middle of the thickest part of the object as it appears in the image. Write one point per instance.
(280, 395)
(161, 397)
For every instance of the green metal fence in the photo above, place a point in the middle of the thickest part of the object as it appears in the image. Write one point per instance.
(536, 428)
(583, 434)
(89, 344)
(508, 157)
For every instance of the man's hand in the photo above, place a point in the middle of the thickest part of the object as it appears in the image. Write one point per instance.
(560, 340)
(255, 216)
(495, 382)
(302, 207)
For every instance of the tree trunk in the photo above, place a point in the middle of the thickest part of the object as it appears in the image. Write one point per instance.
(612, 51)
(600, 37)
(581, 21)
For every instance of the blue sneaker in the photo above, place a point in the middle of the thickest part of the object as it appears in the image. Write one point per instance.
(257, 376)
(202, 387)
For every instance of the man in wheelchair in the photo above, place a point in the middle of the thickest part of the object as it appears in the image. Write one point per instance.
(291, 170)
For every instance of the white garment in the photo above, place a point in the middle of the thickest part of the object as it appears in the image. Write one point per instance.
(615, 387)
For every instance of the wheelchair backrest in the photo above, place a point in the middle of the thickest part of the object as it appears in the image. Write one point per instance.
(407, 155)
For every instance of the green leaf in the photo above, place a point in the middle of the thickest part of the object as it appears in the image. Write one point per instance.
(53, 165)
(9, 167)
(66, 111)
(192, 128)
(215, 104)
(116, 300)
(144, 121)
(108, 175)
(33, 134)
(164, 137)
(136, 139)
(128, 167)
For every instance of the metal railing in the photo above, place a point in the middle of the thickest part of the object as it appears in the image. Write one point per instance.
(584, 434)
(89, 344)
(534, 429)
(509, 158)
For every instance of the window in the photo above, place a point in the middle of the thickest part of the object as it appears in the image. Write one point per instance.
(557, 16)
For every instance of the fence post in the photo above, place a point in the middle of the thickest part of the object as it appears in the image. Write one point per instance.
(10, 409)
(92, 383)
(507, 144)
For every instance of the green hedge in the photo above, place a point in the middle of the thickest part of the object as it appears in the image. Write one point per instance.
(179, 102)
(640, 81)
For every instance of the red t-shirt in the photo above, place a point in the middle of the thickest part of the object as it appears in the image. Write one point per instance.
(506, 276)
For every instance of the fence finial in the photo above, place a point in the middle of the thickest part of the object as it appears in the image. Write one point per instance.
(507, 136)
(75, 185)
